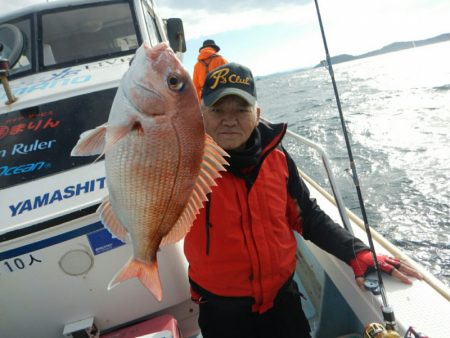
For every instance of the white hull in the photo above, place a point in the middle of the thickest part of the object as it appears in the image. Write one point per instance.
(38, 300)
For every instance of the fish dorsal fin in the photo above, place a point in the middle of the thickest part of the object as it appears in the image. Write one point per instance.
(110, 220)
(213, 162)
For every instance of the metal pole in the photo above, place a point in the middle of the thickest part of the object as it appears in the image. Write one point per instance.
(388, 313)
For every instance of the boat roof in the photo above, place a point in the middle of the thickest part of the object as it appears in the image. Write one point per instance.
(53, 5)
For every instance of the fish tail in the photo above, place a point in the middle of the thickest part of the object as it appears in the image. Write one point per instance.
(147, 273)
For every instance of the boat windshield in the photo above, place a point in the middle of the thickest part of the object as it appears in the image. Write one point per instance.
(16, 44)
(88, 33)
(68, 35)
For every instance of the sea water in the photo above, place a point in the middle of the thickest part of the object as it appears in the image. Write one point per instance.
(397, 113)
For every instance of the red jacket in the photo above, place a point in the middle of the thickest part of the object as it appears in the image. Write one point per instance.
(207, 60)
(249, 247)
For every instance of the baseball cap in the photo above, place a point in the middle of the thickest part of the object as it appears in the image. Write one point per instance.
(229, 79)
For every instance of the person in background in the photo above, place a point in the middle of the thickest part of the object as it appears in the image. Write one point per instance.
(207, 60)
(241, 248)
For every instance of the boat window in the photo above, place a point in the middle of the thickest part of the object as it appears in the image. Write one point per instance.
(88, 33)
(152, 27)
(15, 45)
(36, 141)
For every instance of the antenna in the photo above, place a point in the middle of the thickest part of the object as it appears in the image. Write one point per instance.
(388, 312)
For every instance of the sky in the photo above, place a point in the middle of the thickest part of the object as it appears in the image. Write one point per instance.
(271, 36)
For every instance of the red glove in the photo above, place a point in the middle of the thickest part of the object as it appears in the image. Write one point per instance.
(362, 264)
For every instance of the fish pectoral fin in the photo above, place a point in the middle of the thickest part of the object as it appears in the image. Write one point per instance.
(96, 141)
(146, 272)
(117, 132)
(213, 162)
(91, 142)
(111, 222)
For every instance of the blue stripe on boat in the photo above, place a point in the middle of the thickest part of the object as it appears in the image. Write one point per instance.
(50, 241)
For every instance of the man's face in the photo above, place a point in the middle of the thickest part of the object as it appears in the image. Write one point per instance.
(230, 122)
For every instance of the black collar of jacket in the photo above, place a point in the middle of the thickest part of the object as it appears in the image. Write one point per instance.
(261, 142)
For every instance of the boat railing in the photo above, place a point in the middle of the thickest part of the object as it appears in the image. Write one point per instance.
(326, 163)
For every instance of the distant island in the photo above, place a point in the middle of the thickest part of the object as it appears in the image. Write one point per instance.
(393, 47)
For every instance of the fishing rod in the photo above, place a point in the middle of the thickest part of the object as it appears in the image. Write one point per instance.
(388, 312)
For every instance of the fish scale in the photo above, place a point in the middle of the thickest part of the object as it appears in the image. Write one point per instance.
(137, 183)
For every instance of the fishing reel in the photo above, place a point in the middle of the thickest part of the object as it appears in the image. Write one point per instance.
(376, 330)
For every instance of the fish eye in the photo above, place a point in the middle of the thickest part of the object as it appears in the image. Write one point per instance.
(175, 83)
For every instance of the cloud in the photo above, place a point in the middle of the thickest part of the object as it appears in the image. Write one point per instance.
(203, 22)
(227, 7)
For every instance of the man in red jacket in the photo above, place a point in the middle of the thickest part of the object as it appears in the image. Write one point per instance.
(207, 60)
(241, 248)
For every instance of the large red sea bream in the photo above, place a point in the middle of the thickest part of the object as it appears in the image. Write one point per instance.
(159, 162)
